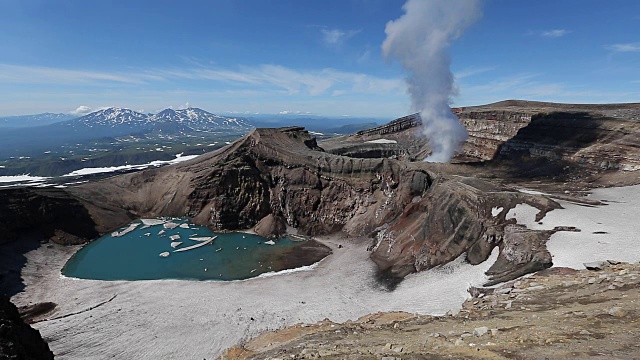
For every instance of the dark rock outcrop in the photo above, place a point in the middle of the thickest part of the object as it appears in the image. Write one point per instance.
(51, 213)
(18, 340)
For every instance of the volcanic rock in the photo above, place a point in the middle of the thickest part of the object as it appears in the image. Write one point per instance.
(18, 340)
(52, 213)
(597, 137)
(271, 226)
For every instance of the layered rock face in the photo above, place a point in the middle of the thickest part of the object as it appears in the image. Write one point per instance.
(590, 136)
(399, 139)
(457, 217)
(598, 137)
(488, 131)
(18, 340)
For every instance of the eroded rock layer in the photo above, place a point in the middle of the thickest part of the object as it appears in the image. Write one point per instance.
(594, 136)
(600, 137)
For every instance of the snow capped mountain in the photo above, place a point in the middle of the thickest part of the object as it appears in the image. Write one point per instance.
(119, 122)
(112, 117)
(198, 119)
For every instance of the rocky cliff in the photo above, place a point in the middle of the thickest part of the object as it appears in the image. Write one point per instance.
(50, 213)
(399, 139)
(591, 136)
(18, 341)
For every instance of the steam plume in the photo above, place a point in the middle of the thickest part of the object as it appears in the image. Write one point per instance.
(419, 40)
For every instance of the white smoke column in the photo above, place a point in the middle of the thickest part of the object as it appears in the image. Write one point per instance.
(419, 40)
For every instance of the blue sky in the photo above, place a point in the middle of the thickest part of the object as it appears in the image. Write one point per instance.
(321, 57)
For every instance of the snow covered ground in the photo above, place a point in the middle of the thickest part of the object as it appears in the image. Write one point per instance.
(609, 231)
(25, 178)
(98, 170)
(382, 141)
(39, 181)
(199, 319)
(172, 319)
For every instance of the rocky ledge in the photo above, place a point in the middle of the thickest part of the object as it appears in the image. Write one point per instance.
(596, 137)
(557, 313)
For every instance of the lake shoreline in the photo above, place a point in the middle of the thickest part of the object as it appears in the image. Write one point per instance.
(140, 317)
(175, 248)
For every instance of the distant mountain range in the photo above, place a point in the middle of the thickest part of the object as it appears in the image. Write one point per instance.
(22, 121)
(115, 137)
(117, 122)
(30, 136)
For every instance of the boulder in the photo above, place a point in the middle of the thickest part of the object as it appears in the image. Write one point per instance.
(596, 265)
(271, 226)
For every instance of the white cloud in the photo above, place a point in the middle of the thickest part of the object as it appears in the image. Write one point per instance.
(296, 112)
(276, 79)
(528, 86)
(556, 33)
(259, 88)
(81, 110)
(364, 57)
(468, 72)
(628, 47)
(184, 106)
(292, 82)
(337, 37)
(47, 75)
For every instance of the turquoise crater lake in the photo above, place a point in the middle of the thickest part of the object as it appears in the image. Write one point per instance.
(175, 249)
